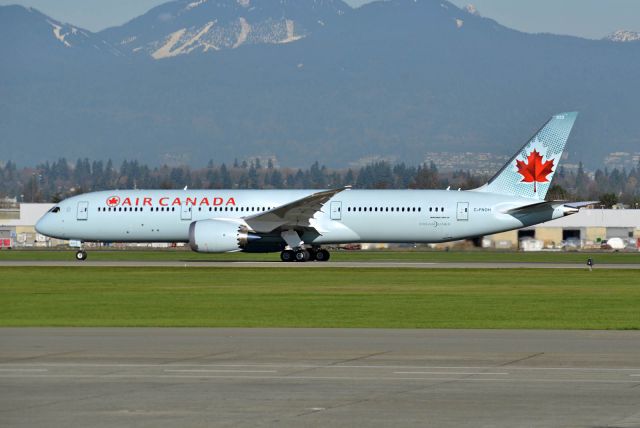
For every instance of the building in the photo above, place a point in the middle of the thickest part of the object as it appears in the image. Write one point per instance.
(17, 226)
(589, 228)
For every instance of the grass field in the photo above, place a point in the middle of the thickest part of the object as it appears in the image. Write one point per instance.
(408, 256)
(282, 297)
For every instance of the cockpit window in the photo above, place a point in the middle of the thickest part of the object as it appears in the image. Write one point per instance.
(54, 209)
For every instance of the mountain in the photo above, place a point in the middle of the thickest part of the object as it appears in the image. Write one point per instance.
(29, 34)
(187, 26)
(394, 79)
(623, 36)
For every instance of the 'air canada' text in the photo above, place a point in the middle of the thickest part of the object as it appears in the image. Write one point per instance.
(114, 201)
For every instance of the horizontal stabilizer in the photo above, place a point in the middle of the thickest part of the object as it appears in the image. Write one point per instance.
(567, 207)
(580, 204)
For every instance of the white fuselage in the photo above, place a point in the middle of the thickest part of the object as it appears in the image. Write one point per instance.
(350, 216)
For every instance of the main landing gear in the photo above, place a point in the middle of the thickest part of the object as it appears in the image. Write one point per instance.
(298, 252)
(303, 255)
(81, 255)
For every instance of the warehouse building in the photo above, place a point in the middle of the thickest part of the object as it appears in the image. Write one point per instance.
(17, 226)
(589, 228)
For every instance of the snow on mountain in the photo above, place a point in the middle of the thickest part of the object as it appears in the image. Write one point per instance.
(185, 26)
(623, 36)
(472, 9)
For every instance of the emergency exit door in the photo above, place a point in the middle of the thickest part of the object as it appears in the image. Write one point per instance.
(83, 210)
(185, 212)
(336, 210)
(463, 211)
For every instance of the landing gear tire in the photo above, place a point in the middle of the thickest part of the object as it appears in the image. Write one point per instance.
(81, 255)
(302, 256)
(287, 256)
(312, 254)
(322, 255)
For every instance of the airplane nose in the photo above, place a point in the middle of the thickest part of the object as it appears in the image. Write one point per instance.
(43, 226)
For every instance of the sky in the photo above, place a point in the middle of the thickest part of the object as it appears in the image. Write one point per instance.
(584, 18)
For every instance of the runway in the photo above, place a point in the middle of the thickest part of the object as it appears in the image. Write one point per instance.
(315, 265)
(318, 377)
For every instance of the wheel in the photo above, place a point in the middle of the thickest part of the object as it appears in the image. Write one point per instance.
(322, 255)
(312, 254)
(302, 255)
(81, 255)
(287, 256)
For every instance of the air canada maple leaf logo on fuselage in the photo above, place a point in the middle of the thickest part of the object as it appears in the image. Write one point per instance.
(113, 201)
(534, 170)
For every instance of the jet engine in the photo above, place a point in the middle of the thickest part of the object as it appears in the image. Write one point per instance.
(219, 236)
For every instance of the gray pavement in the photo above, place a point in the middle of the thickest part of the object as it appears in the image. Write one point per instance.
(330, 264)
(67, 377)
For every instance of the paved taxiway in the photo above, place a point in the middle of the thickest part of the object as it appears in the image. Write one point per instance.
(318, 378)
(330, 264)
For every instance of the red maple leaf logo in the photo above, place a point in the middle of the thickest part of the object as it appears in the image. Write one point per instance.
(113, 201)
(534, 170)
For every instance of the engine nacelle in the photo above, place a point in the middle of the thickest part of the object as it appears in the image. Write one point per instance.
(218, 236)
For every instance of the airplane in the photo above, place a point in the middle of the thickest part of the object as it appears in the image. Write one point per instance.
(297, 223)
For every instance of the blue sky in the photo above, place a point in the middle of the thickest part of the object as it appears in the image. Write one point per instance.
(584, 18)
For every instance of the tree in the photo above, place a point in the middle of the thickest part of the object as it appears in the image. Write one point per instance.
(557, 193)
(608, 199)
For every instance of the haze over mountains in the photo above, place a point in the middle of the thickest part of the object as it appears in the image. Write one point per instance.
(305, 80)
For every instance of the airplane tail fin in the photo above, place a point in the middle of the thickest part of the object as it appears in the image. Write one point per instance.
(530, 170)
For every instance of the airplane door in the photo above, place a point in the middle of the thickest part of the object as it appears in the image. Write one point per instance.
(185, 212)
(463, 211)
(83, 210)
(336, 210)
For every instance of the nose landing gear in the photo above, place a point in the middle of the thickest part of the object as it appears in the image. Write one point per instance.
(81, 255)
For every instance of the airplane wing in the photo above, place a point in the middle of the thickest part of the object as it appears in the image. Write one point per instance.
(296, 213)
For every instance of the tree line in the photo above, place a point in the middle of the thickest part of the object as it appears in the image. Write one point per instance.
(54, 181)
